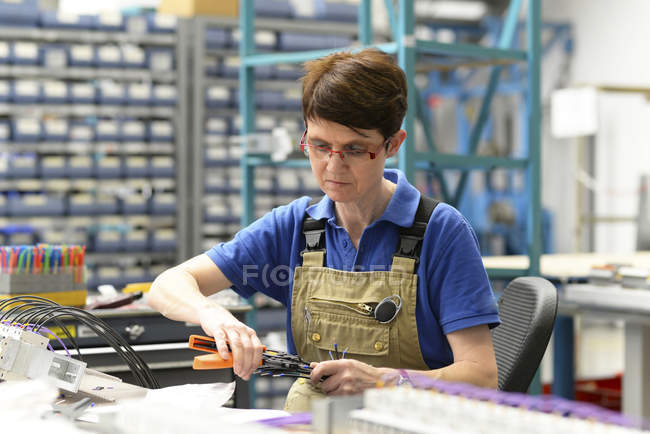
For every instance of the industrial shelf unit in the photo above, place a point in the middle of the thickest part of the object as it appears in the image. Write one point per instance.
(216, 177)
(406, 47)
(133, 237)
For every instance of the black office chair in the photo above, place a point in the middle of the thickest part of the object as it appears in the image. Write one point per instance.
(527, 308)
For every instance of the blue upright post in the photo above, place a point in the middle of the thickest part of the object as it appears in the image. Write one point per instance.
(505, 40)
(534, 221)
(247, 111)
(563, 359)
(365, 22)
(406, 57)
(247, 104)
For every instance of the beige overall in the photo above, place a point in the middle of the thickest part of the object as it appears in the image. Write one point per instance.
(331, 306)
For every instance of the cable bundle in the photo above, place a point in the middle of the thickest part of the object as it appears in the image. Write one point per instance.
(34, 313)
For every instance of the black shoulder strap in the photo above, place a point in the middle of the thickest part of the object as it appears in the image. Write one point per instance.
(410, 239)
(314, 231)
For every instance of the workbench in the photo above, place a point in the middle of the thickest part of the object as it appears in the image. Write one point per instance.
(605, 302)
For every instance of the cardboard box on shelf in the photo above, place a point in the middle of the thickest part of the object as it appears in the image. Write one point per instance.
(190, 8)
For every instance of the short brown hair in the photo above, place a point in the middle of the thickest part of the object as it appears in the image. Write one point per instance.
(365, 90)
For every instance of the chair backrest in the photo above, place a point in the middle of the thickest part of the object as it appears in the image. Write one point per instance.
(527, 308)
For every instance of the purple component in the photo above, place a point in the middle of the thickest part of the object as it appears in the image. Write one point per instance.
(294, 419)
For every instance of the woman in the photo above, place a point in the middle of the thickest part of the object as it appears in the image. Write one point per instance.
(361, 280)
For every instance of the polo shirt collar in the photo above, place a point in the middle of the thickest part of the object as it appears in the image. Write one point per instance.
(400, 210)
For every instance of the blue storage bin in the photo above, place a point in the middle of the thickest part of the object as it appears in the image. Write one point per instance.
(163, 240)
(81, 93)
(341, 12)
(273, 8)
(161, 23)
(136, 166)
(5, 132)
(23, 166)
(108, 56)
(135, 24)
(109, 92)
(135, 204)
(163, 204)
(218, 96)
(213, 67)
(135, 274)
(109, 275)
(269, 99)
(25, 53)
(138, 94)
(80, 166)
(161, 166)
(133, 56)
(303, 41)
(133, 130)
(164, 95)
(160, 59)
(26, 91)
(55, 129)
(26, 129)
(81, 132)
(292, 99)
(161, 131)
(59, 20)
(5, 90)
(264, 99)
(36, 205)
(108, 240)
(106, 204)
(53, 167)
(107, 130)
(19, 13)
(217, 126)
(5, 52)
(264, 40)
(81, 55)
(230, 68)
(217, 38)
(109, 22)
(54, 56)
(108, 167)
(81, 204)
(262, 124)
(287, 72)
(4, 205)
(54, 92)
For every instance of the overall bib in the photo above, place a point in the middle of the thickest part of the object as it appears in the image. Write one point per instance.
(331, 306)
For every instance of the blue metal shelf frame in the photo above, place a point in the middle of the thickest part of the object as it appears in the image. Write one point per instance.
(406, 47)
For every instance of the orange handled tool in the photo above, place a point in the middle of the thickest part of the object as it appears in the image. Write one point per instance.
(208, 361)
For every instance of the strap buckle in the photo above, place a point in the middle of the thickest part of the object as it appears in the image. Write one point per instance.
(409, 246)
(314, 241)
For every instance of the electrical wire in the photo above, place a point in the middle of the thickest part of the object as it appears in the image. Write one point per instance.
(35, 312)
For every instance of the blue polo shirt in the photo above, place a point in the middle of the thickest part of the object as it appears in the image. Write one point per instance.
(453, 288)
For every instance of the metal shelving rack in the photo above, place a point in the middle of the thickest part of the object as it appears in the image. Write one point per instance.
(195, 30)
(407, 47)
(64, 184)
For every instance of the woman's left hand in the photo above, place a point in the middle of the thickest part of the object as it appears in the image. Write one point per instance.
(346, 377)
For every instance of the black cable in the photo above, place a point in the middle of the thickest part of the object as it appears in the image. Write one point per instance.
(124, 350)
(39, 311)
(40, 308)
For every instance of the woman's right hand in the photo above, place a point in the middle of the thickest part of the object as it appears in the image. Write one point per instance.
(246, 347)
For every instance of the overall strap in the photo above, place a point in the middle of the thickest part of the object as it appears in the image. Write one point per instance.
(314, 232)
(407, 255)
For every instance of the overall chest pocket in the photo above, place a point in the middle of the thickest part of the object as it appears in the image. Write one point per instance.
(360, 335)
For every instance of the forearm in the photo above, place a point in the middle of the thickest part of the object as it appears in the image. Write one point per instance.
(466, 371)
(176, 294)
